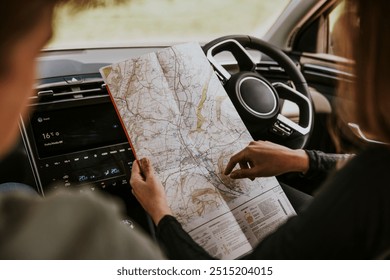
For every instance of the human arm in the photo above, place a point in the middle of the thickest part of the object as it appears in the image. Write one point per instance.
(320, 162)
(263, 159)
(339, 223)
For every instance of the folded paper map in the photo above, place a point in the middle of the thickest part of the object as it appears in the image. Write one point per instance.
(176, 112)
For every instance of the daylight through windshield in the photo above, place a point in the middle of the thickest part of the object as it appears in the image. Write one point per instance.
(146, 22)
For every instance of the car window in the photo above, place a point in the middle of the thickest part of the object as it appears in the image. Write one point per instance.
(146, 22)
(335, 21)
(339, 19)
(323, 35)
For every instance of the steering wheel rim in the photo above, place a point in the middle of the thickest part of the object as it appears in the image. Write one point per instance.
(256, 99)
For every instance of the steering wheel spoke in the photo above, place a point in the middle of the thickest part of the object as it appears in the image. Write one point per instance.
(244, 59)
(303, 127)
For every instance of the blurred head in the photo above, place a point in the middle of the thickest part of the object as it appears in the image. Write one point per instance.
(25, 27)
(367, 42)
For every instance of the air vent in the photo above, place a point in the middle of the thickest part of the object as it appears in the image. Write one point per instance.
(70, 88)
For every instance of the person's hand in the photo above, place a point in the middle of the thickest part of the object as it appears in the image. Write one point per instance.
(264, 159)
(148, 190)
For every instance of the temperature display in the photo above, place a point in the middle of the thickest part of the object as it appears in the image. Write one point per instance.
(49, 135)
(74, 129)
(98, 173)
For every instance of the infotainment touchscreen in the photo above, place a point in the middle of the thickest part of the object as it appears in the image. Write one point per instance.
(63, 131)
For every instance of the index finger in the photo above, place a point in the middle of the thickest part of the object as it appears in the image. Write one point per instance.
(239, 157)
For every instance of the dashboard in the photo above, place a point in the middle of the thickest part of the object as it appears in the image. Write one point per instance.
(73, 139)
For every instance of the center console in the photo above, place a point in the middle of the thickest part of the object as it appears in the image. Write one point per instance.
(75, 141)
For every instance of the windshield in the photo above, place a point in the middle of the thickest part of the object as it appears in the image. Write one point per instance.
(151, 22)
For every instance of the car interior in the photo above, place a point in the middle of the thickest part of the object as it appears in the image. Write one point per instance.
(73, 137)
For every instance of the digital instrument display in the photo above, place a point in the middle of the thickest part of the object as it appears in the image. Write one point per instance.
(74, 129)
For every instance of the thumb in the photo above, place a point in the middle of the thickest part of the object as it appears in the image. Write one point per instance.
(146, 167)
(136, 171)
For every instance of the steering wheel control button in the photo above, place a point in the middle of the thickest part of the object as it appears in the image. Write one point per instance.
(281, 129)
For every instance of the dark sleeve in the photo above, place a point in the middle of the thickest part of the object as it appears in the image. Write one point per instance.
(348, 219)
(323, 163)
(176, 243)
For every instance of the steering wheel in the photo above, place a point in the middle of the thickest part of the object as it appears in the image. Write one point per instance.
(256, 99)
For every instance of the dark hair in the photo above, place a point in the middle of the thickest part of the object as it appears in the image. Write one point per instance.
(368, 38)
(19, 17)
